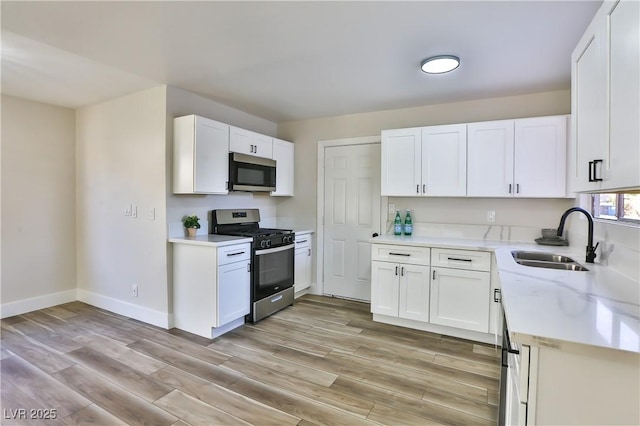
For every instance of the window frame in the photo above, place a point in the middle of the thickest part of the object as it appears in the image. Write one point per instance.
(619, 215)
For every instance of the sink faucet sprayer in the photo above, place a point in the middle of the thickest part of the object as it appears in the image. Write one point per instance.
(591, 250)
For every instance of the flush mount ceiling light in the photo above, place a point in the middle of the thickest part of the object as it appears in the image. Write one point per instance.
(440, 64)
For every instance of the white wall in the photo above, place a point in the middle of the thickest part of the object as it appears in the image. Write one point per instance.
(121, 147)
(38, 199)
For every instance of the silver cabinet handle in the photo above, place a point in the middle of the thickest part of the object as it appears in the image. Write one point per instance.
(509, 188)
(301, 241)
(396, 270)
(517, 188)
(417, 188)
(402, 271)
(248, 267)
(424, 189)
(309, 252)
(234, 254)
(399, 254)
(434, 274)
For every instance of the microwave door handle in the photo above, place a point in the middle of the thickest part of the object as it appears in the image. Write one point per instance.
(274, 250)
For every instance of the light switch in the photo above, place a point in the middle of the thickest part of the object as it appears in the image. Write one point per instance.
(134, 211)
(127, 210)
(152, 214)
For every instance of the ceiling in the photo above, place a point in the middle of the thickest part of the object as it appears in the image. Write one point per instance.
(287, 61)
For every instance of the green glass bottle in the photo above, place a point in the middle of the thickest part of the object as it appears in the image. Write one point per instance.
(408, 224)
(397, 224)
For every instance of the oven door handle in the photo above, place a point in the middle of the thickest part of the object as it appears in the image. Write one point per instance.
(274, 250)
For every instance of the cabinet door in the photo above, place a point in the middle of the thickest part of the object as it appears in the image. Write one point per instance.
(401, 162)
(302, 271)
(444, 160)
(460, 298)
(200, 156)
(414, 292)
(490, 159)
(384, 288)
(250, 143)
(233, 292)
(624, 95)
(540, 157)
(589, 107)
(283, 153)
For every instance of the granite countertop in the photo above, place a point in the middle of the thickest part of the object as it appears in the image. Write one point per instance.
(212, 240)
(548, 307)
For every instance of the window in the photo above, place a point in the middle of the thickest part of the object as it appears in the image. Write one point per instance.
(618, 207)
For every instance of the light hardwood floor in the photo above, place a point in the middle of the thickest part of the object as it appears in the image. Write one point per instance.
(321, 361)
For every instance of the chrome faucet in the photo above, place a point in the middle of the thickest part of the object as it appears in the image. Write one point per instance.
(591, 250)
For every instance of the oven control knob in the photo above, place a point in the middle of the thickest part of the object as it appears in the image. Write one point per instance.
(268, 243)
(264, 244)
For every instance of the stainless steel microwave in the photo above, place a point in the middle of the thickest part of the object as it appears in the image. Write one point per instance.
(249, 173)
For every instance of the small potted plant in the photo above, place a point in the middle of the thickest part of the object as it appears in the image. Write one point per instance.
(192, 224)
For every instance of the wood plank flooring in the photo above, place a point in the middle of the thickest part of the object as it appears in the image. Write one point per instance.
(321, 361)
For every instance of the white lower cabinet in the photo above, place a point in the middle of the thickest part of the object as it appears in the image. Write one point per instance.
(302, 262)
(460, 289)
(400, 290)
(445, 291)
(562, 383)
(233, 294)
(211, 287)
(455, 294)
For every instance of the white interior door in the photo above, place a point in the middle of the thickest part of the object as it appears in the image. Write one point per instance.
(351, 216)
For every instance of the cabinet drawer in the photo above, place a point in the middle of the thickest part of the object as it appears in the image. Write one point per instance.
(303, 241)
(234, 253)
(461, 259)
(404, 254)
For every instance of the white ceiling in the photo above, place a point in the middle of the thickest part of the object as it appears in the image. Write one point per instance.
(289, 60)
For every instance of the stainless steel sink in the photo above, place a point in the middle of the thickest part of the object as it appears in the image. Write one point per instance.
(546, 260)
(545, 257)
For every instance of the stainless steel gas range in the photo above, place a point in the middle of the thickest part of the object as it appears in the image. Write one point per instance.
(272, 259)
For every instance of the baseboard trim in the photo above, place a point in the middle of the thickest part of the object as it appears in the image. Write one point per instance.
(491, 339)
(150, 316)
(34, 303)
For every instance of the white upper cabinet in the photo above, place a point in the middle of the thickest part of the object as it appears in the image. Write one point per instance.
(444, 160)
(490, 159)
(518, 158)
(424, 161)
(283, 153)
(605, 96)
(201, 156)
(250, 143)
(401, 162)
(540, 157)
(624, 95)
(589, 106)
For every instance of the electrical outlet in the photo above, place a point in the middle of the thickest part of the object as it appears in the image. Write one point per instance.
(134, 290)
(392, 208)
(491, 216)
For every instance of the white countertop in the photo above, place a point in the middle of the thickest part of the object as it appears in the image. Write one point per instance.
(212, 240)
(549, 307)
